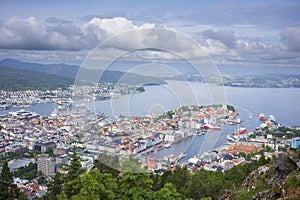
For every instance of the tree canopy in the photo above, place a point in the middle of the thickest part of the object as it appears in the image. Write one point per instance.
(8, 190)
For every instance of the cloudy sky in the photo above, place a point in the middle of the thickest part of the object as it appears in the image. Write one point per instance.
(234, 33)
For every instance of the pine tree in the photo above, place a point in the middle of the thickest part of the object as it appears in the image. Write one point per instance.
(107, 164)
(8, 190)
(72, 180)
(74, 169)
(54, 187)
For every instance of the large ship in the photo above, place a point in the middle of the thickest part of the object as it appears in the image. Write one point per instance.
(240, 131)
(211, 127)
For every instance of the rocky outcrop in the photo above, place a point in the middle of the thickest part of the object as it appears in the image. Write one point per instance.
(277, 179)
(275, 192)
(296, 157)
(282, 167)
(254, 176)
(226, 196)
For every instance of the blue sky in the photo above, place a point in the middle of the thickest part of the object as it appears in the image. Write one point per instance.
(232, 32)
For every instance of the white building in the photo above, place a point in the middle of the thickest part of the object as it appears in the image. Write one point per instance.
(46, 166)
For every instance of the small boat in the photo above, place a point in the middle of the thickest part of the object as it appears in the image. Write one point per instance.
(272, 118)
(168, 145)
(59, 102)
(262, 117)
(229, 138)
(180, 156)
(158, 146)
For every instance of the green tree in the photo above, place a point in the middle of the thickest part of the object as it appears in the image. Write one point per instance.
(214, 185)
(131, 165)
(262, 160)
(167, 192)
(107, 164)
(74, 169)
(159, 180)
(8, 190)
(135, 186)
(28, 172)
(96, 185)
(230, 107)
(243, 154)
(195, 185)
(179, 178)
(72, 179)
(206, 198)
(54, 186)
(42, 180)
(50, 151)
(205, 184)
(235, 176)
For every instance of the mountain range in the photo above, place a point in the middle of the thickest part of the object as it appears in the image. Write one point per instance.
(62, 74)
(18, 79)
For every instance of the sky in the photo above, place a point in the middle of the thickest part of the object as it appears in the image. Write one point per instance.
(233, 33)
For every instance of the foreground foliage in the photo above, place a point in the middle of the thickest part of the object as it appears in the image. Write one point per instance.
(103, 182)
(8, 190)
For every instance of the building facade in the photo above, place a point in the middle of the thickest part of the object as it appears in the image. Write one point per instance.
(46, 166)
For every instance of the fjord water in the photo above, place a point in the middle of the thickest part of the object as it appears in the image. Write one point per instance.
(283, 103)
(280, 102)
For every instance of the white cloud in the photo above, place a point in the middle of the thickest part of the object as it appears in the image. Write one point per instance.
(18, 33)
(252, 46)
(225, 36)
(28, 33)
(224, 43)
(290, 38)
(228, 48)
(111, 26)
(214, 47)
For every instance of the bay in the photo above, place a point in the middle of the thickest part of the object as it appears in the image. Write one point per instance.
(283, 103)
(250, 102)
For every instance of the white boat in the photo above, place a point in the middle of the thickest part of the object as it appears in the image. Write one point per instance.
(168, 145)
(229, 138)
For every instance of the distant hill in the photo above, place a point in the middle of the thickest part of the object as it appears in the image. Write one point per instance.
(18, 79)
(70, 71)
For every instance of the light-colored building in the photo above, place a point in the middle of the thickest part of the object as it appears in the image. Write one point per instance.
(46, 166)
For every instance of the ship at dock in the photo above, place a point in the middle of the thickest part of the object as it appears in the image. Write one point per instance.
(211, 127)
(229, 138)
(240, 131)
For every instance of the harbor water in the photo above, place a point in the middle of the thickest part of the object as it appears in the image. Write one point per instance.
(280, 102)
